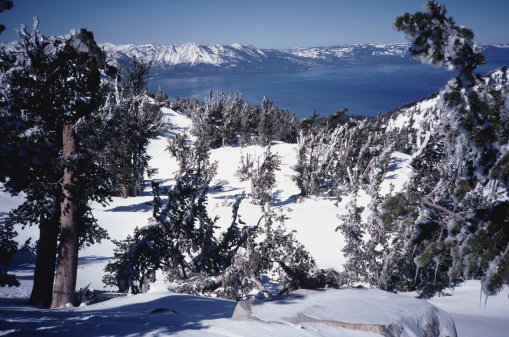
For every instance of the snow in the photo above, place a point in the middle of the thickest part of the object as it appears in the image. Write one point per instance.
(189, 54)
(398, 173)
(161, 312)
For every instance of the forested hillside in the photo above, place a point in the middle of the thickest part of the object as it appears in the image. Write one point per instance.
(75, 132)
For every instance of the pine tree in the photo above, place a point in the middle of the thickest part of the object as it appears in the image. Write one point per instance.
(263, 177)
(228, 121)
(50, 89)
(131, 120)
(180, 235)
(461, 230)
(437, 40)
(182, 240)
(249, 119)
(353, 231)
(8, 247)
(266, 126)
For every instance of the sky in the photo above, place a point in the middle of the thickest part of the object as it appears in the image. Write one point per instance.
(277, 24)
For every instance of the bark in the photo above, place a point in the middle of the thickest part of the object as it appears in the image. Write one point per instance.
(136, 192)
(428, 202)
(67, 265)
(44, 273)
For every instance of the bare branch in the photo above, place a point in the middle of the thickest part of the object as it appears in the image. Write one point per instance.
(428, 202)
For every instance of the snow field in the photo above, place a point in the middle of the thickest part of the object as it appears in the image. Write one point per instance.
(313, 219)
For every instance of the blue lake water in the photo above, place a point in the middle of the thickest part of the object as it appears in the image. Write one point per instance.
(364, 90)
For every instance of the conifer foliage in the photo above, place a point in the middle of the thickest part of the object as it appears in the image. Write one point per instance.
(463, 226)
(180, 234)
(227, 120)
(451, 223)
(50, 92)
(437, 40)
(339, 152)
(262, 174)
(132, 118)
(182, 240)
(8, 247)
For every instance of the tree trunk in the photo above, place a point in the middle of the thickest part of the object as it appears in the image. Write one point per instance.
(67, 266)
(136, 192)
(44, 273)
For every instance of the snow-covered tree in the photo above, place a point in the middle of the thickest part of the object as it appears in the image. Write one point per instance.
(438, 41)
(182, 240)
(461, 230)
(8, 247)
(180, 235)
(338, 152)
(228, 121)
(262, 174)
(449, 224)
(353, 231)
(48, 90)
(131, 119)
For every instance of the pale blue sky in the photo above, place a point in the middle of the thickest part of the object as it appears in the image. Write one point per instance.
(263, 23)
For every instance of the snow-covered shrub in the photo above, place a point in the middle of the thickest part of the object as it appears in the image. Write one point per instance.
(182, 240)
(338, 152)
(266, 249)
(263, 177)
(227, 120)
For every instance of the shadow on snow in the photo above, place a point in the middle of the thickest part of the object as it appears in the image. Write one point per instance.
(166, 315)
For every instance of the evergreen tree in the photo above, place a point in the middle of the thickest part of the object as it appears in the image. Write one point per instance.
(182, 240)
(353, 231)
(266, 127)
(8, 247)
(48, 92)
(262, 173)
(437, 40)
(131, 120)
(180, 235)
(337, 151)
(461, 231)
(249, 119)
(228, 121)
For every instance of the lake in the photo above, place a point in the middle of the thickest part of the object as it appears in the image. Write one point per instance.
(364, 90)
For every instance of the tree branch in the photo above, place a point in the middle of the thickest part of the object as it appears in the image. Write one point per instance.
(428, 202)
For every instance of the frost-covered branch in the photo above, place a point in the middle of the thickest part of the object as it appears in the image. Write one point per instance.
(429, 202)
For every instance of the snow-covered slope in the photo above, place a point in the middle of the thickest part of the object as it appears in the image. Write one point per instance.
(161, 312)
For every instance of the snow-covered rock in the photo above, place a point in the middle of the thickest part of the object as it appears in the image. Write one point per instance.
(362, 309)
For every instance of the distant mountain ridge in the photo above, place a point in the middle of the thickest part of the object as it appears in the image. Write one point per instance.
(206, 59)
(193, 59)
(196, 59)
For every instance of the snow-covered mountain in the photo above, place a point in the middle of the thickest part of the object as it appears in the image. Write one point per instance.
(195, 59)
(198, 59)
